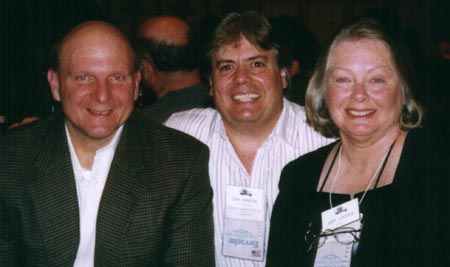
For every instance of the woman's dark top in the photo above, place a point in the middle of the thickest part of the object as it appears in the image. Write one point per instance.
(405, 223)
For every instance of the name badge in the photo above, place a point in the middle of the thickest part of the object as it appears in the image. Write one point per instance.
(244, 224)
(333, 254)
(340, 233)
(341, 215)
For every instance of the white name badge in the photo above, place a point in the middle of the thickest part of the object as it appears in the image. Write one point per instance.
(333, 254)
(244, 224)
(338, 246)
(340, 227)
(341, 215)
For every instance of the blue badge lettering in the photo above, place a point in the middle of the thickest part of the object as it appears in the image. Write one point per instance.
(245, 242)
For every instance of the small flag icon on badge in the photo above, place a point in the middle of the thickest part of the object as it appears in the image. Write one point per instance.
(256, 253)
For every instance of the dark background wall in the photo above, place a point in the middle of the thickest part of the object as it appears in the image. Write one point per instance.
(28, 29)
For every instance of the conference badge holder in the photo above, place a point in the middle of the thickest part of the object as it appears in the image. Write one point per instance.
(244, 225)
(341, 228)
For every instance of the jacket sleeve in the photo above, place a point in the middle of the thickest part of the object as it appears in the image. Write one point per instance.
(7, 235)
(7, 238)
(190, 232)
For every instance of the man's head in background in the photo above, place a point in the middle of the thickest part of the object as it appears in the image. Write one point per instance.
(168, 55)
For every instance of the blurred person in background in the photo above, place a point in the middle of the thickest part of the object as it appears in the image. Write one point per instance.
(169, 59)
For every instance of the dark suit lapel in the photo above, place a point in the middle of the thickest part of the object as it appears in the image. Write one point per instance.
(54, 195)
(122, 190)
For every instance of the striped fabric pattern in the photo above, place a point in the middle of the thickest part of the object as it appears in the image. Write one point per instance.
(290, 138)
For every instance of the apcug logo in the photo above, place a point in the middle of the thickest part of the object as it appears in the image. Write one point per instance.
(242, 237)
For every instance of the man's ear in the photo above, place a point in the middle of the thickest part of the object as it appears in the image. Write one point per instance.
(210, 87)
(147, 68)
(53, 80)
(294, 67)
(283, 73)
(137, 80)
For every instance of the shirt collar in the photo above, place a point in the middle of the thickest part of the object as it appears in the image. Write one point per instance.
(283, 128)
(111, 146)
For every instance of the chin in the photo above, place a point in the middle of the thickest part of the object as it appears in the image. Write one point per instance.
(246, 119)
(360, 133)
(102, 132)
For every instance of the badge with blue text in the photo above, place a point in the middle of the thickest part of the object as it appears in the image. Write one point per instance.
(333, 254)
(244, 224)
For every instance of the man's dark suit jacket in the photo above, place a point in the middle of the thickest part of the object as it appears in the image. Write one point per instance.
(155, 208)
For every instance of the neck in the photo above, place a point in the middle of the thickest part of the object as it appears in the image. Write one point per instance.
(245, 148)
(363, 167)
(85, 149)
(360, 153)
(246, 141)
(178, 80)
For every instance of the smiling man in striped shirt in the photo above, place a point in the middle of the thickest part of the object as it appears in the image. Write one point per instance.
(252, 135)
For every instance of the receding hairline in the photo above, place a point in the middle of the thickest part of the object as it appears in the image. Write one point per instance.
(171, 29)
(90, 31)
(86, 29)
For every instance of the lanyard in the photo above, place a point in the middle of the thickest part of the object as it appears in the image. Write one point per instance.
(378, 171)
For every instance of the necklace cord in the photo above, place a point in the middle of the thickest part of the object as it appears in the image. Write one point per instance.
(329, 170)
(338, 170)
(378, 171)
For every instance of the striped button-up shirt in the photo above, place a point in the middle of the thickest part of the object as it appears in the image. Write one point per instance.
(290, 138)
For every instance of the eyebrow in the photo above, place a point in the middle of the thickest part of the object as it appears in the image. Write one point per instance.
(256, 57)
(384, 67)
(222, 61)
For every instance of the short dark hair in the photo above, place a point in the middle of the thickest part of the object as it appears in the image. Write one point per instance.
(168, 57)
(253, 26)
(315, 101)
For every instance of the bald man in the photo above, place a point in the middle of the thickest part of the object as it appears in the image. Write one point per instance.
(96, 185)
(170, 67)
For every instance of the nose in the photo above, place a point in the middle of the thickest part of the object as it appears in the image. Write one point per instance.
(102, 92)
(241, 75)
(359, 91)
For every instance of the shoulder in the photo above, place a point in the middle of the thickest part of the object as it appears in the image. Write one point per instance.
(425, 149)
(161, 139)
(305, 168)
(425, 142)
(196, 116)
(299, 132)
(296, 116)
(21, 147)
(295, 108)
(309, 160)
(28, 136)
(160, 110)
(168, 156)
(196, 122)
